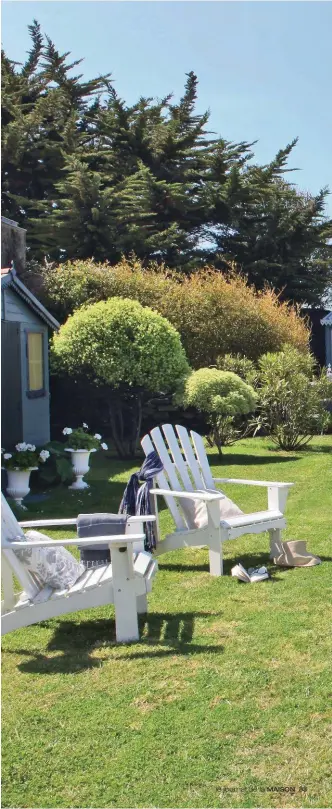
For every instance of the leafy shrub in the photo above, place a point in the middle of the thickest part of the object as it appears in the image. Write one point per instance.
(239, 365)
(214, 314)
(291, 399)
(130, 350)
(58, 467)
(223, 397)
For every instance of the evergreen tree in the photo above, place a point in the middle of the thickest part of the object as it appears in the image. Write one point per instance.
(42, 106)
(90, 176)
(155, 165)
(279, 236)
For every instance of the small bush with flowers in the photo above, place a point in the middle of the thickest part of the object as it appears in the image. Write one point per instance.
(80, 438)
(24, 457)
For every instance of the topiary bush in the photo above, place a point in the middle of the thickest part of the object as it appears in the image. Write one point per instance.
(215, 314)
(223, 398)
(292, 400)
(128, 350)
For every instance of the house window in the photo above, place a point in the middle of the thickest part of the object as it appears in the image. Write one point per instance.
(35, 357)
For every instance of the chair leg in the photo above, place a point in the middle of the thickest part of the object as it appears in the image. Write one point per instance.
(142, 604)
(126, 623)
(215, 556)
(275, 542)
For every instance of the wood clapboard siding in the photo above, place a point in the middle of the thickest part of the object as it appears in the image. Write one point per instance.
(11, 390)
(24, 418)
(17, 310)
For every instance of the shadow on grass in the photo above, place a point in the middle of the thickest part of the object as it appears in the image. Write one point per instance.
(247, 560)
(250, 460)
(315, 448)
(169, 635)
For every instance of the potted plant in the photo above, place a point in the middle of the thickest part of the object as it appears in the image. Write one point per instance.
(81, 444)
(19, 464)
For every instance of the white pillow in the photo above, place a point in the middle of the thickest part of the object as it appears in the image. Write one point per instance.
(54, 565)
(195, 511)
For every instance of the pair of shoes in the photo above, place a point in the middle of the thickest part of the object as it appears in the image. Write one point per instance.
(295, 554)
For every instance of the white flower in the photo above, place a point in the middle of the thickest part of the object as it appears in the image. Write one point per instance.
(7, 455)
(86, 426)
(44, 454)
(21, 447)
(97, 436)
(31, 447)
(104, 446)
(67, 431)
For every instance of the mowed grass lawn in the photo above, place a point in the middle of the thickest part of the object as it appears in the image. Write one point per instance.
(225, 702)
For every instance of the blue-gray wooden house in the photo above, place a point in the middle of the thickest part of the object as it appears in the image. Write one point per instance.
(25, 397)
(327, 323)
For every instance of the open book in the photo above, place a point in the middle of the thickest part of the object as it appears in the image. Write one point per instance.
(251, 575)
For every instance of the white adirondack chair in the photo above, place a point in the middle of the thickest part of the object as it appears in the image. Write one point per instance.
(187, 474)
(125, 582)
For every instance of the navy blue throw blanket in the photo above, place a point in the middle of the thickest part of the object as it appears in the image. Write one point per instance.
(136, 498)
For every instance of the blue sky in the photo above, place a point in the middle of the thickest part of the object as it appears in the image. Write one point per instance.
(265, 68)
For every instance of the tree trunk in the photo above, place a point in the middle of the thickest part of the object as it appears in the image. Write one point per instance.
(216, 438)
(115, 433)
(126, 424)
(139, 421)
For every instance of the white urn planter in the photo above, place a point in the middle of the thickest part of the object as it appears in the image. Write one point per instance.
(80, 462)
(18, 483)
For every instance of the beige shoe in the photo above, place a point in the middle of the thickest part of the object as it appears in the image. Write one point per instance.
(295, 554)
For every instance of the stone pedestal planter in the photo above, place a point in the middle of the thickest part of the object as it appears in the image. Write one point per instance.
(18, 483)
(80, 463)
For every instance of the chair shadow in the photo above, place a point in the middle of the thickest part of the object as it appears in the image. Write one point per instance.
(75, 642)
(177, 567)
(247, 560)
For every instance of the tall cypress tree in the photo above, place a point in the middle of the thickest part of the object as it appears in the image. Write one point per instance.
(89, 175)
(277, 234)
(42, 104)
(156, 161)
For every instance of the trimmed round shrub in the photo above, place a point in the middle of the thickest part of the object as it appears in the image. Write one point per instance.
(120, 344)
(214, 314)
(223, 397)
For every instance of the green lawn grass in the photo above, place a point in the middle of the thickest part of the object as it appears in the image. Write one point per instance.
(227, 696)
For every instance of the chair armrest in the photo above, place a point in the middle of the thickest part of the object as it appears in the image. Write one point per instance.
(254, 482)
(118, 539)
(47, 523)
(277, 493)
(207, 497)
(73, 521)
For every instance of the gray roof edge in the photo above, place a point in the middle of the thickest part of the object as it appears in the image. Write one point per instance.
(11, 280)
(327, 320)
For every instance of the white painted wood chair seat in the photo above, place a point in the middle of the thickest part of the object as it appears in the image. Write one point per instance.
(124, 582)
(187, 474)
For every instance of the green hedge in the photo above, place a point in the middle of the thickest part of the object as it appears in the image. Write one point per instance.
(214, 314)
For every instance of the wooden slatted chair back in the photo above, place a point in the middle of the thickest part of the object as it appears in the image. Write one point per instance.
(186, 466)
(11, 530)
